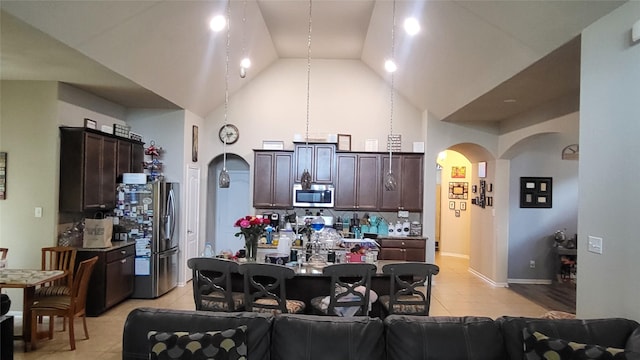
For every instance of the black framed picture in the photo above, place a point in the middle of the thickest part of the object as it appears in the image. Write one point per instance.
(194, 143)
(536, 192)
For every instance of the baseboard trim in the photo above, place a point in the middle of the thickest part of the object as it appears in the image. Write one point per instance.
(462, 256)
(530, 281)
(487, 280)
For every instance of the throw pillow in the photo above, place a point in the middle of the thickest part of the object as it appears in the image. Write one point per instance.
(539, 346)
(218, 345)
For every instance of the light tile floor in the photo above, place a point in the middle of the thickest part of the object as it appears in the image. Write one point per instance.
(456, 292)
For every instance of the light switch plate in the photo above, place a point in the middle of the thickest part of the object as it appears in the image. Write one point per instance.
(595, 244)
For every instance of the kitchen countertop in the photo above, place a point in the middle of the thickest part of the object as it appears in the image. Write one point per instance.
(114, 245)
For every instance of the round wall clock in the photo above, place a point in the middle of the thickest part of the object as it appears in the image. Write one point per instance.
(229, 134)
(571, 152)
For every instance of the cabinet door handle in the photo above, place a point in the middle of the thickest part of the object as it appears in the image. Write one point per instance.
(123, 252)
(123, 261)
(403, 243)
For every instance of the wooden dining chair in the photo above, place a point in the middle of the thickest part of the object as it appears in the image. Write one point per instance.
(212, 284)
(350, 290)
(67, 306)
(265, 288)
(58, 258)
(405, 294)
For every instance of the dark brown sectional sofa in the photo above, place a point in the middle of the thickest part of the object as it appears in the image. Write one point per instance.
(397, 337)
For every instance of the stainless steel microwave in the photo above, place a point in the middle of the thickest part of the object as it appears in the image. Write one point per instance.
(316, 196)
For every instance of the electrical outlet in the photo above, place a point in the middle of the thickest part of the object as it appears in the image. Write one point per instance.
(595, 244)
(403, 213)
(532, 264)
(38, 212)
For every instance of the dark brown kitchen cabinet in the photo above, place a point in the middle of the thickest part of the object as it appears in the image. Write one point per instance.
(112, 279)
(87, 170)
(90, 162)
(408, 171)
(318, 159)
(406, 249)
(357, 181)
(124, 157)
(129, 157)
(137, 157)
(272, 179)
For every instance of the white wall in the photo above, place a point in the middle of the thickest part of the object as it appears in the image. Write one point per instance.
(609, 198)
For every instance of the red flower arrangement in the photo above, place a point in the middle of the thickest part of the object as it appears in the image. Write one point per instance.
(251, 226)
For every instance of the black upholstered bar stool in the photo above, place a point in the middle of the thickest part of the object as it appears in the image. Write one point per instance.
(212, 284)
(265, 288)
(405, 296)
(350, 290)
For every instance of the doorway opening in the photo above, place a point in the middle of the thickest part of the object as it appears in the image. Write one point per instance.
(226, 205)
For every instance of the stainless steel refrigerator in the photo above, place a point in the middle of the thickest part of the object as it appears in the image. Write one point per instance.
(147, 214)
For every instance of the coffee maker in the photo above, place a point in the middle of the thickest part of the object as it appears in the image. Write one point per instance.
(274, 220)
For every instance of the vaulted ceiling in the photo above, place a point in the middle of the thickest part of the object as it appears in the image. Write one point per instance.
(469, 57)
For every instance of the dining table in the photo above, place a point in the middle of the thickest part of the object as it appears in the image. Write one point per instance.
(28, 280)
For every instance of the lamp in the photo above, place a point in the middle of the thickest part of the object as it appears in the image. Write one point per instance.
(305, 178)
(390, 183)
(224, 180)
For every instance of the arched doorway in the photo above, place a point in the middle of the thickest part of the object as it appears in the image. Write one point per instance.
(225, 206)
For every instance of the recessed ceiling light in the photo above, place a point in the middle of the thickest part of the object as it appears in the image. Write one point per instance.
(411, 26)
(217, 23)
(509, 100)
(390, 66)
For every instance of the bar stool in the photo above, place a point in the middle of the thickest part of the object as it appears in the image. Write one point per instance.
(212, 284)
(404, 296)
(262, 283)
(350, 292)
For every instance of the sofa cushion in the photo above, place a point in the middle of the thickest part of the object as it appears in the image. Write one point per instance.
(610, 332)
(538, 346)
(440, 337)
(225, 344)
(141, 321)
(315, 337)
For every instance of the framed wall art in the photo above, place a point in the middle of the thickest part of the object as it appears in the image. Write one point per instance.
(458, 190)
(344, 142)
(536, 192)
(482, 169)
(458, 172)
(3, 175)
(194, 143)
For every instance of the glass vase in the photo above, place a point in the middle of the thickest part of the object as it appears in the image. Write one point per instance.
(251, 247)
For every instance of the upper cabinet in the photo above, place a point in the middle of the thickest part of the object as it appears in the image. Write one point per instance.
(408, 170)
(130, 157)
(90, 161)
(318, 159)
(272, 179)
(357, 181)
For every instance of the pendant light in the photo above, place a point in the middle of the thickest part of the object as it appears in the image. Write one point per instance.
(390, 183)
(224, 180)
(245, 63)
(305, 179)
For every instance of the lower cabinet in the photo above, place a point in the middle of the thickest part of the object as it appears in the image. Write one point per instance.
(402, 248)
(112, 280)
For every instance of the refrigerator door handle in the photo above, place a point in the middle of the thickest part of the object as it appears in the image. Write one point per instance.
(170, 221)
